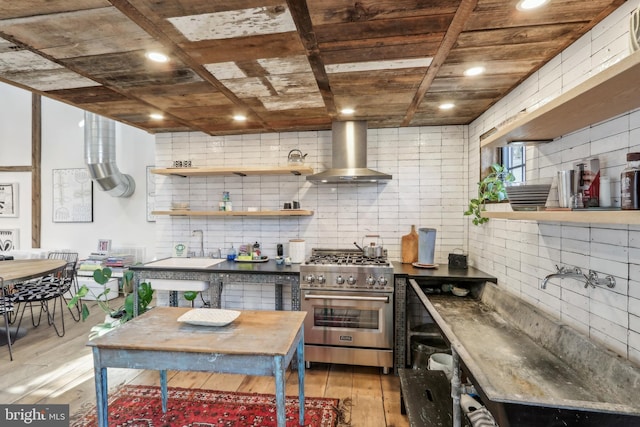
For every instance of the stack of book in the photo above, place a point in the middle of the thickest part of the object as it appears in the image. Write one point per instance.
(93, 262)
(118, 260)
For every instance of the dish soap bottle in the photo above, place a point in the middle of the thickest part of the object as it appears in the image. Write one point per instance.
(231, 254)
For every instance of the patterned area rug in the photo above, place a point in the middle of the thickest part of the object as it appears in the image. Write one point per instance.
(140, 406)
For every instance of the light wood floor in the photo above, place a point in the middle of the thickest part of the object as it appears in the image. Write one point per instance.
(49, 369)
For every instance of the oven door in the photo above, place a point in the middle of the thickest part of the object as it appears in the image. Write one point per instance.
(348, 318)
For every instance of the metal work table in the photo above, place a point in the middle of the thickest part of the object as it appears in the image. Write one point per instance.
(437, 276)
(256, 343)
(529, 368)
(231, 272)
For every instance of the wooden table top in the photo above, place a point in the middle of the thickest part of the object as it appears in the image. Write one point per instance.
(261, 332)
(24, 269)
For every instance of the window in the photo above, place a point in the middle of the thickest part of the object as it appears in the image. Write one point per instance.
(513, 159)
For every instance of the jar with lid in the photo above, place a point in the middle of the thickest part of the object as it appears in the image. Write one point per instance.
(630, 183)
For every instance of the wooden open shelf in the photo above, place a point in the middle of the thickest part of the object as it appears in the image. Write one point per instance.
(239, 171)
(292, 212)
(581, 216)
(613, 91)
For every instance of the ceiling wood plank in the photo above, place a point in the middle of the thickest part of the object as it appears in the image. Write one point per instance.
(457, 25)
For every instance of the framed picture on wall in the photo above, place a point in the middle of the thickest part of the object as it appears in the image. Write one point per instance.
(9, 199)
(151, 195)
(9, 240)
(72, 195)
(104, 245)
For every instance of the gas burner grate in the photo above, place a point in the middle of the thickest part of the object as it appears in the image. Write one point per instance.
(345, 258)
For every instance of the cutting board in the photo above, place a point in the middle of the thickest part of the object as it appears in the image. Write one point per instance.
(409, 247)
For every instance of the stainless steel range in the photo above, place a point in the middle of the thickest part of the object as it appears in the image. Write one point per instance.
(349, 299)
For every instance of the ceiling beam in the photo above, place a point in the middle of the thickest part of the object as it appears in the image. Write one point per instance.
(141, 20)
(457, 25)
(302, 18)
(36, 173)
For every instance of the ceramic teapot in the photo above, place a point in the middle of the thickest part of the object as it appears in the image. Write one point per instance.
(296, 157)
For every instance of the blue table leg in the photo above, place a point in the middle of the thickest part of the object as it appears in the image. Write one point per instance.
(102, 402)
(300, 356)
(278, 365)
(163, 389)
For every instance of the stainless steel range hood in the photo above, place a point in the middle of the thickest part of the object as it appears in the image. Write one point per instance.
(349, 156)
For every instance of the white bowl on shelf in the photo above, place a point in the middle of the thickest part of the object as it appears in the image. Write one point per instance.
(180, 205)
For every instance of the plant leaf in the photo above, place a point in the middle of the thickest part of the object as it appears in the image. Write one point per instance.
(190, 295)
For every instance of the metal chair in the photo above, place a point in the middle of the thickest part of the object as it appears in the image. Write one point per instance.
(5, 308)
(51, 288)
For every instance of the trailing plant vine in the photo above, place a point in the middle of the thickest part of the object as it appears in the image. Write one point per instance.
(490, 189)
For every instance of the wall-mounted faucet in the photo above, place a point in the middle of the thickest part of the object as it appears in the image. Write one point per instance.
(576, 273)
(201, 233)
(564, 272)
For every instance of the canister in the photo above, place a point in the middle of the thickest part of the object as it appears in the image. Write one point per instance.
(297, 250)
(426, 245)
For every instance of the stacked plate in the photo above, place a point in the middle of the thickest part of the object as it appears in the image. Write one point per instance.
(528, 196)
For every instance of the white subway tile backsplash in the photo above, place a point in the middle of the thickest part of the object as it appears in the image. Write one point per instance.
(610, 316)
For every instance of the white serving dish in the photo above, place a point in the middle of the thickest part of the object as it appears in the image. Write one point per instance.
(459, 292)
(209, 317)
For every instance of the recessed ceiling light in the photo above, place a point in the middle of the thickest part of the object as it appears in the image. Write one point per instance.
(347, 111)
(239, 118)
(525, 5)
(81, 123)
(447, 106)
(157, 57)
(474, 71)
(156, 116)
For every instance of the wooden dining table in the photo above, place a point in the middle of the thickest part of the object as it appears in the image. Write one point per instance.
(17, 271)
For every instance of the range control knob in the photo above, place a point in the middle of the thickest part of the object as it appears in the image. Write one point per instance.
(321, 279)
(383, 281)
(351, 281)
(339, 280)
(371, 281)
(309, 278)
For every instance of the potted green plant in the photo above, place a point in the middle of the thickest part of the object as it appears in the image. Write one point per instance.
(491, 188)
(114, 317)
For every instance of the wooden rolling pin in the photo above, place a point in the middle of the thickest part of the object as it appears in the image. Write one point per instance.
(409, 247)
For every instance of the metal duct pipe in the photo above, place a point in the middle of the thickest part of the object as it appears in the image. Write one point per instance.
(100, 156)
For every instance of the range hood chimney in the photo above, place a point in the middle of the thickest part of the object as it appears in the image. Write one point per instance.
(100, 156)
(349, 156)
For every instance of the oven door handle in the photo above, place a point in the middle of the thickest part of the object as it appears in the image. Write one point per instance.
(347, 298)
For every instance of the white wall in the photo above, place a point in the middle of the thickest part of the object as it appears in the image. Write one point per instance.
(15, 150)
(123, 220)
(427, 190)
(521, 253)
